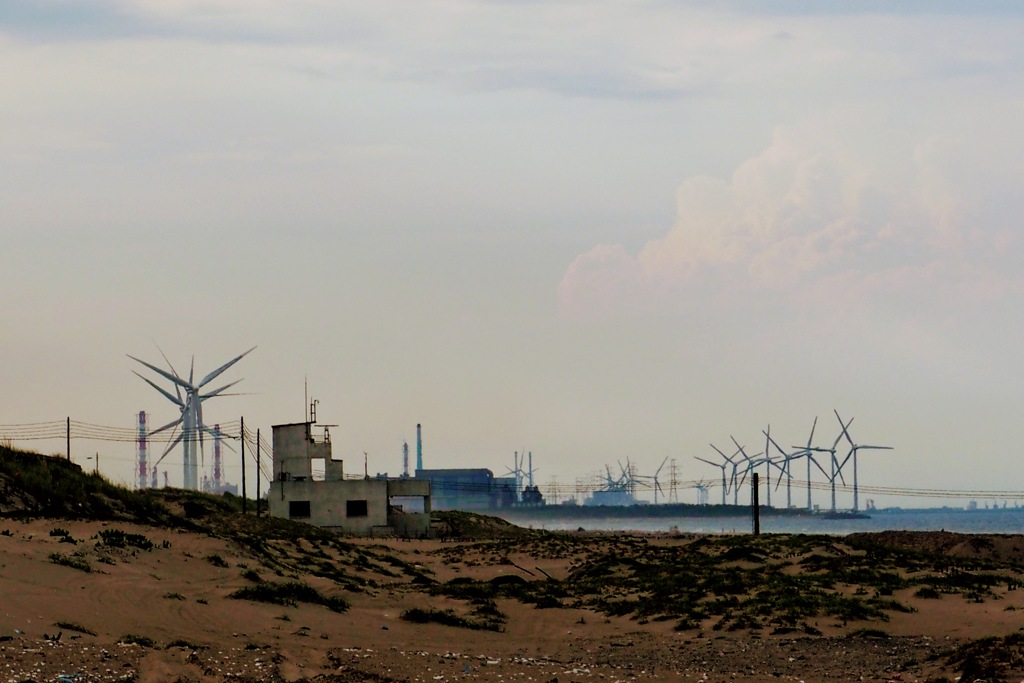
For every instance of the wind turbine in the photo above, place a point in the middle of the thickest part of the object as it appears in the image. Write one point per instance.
(853, 453)
(808, 452)
(702, 493)
(191, 406)
(654, 478)
(752, 463)
(785, 468)
(723, 466)
(837, 470)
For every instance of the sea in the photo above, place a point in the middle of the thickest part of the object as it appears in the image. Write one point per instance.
(1008, 520)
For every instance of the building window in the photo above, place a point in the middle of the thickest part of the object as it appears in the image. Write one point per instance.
(298, 509)
(356, 508)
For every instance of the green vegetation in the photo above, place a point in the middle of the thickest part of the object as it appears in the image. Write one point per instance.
(185, 644)
(72, 626)
(133, 639)
(289, 594)
(115, 538)
(448, 618)
(217, 561)
(73, 561)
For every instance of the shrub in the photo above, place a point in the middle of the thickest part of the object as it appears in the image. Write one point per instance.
(115, 538)
(133, 639)
(447, 618)
(72, 561)
(289, 594)
(217, 561)
(72, 626)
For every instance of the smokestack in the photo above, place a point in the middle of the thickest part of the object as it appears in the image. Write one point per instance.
(419, 449)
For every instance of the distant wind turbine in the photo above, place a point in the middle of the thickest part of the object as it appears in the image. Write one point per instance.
(191, 406)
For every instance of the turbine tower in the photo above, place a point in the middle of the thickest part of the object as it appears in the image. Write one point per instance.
(191, 406)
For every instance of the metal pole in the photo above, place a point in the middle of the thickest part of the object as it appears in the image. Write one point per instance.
(257, 472)
(242, 432)
(68, 433)
(755, 504)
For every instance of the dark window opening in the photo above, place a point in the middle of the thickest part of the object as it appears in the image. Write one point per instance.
(298, 508)
(356, 508)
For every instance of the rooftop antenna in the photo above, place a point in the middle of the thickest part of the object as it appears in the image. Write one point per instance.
(191, 406)
(853, 453)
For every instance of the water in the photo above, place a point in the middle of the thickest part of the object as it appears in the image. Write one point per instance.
(993, 521)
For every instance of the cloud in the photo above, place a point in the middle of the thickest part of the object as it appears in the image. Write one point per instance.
(813, 217)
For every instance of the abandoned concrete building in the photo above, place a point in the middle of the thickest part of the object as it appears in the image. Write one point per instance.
(310, 485)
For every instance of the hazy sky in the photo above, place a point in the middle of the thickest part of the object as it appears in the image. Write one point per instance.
(592, 230)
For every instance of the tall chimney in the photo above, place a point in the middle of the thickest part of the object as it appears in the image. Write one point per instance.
(419, 450)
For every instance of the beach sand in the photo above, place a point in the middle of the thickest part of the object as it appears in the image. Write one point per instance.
(164, 615)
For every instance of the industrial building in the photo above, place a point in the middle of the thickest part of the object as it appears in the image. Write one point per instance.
(310, 485)
(469, 489)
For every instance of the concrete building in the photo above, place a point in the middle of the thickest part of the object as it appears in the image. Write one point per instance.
(310, 485)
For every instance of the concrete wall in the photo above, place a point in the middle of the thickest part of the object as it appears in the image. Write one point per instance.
(328, 502)
(294, 450)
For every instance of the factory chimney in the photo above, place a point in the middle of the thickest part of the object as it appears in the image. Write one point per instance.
(419, 449)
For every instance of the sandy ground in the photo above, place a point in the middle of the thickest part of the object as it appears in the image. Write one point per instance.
(59, 623)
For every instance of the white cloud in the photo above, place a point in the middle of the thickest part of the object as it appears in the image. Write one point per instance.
(807, 220)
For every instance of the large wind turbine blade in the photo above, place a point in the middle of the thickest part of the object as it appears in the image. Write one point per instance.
(811, 437)
(171, 445)
(224, 438)
(876, 448)
(174, 378)
(658, 471)
(177, 389)
(739, 447)
(173, 423)
(173, 399)
(217, 392)
(192, 371)
(716, 464)
(777, 446)
(820, 468)
(845, 433)
(222, 368)
(840, 437)
(846, 460)
(719, 452)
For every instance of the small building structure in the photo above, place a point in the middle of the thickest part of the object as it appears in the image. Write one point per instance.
(310, 485)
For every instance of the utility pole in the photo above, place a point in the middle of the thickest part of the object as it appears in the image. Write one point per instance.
(68, 433)
(755, 504)
(257, 472)
(242, 436)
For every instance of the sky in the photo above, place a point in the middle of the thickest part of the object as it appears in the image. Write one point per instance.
(595, 231)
